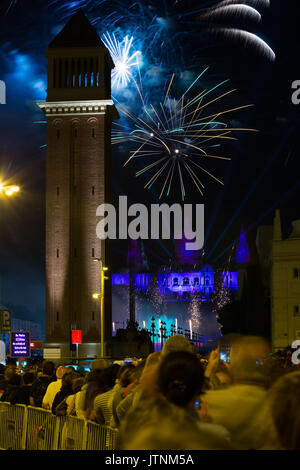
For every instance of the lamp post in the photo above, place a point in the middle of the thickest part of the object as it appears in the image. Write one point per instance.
(101, 297)
(7, 190)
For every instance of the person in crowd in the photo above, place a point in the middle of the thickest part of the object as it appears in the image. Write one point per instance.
(284, 405)
(129, 392)
(103, 402)
(12, 387)
(8, 373)
(77, 383)
(40, 385)
(181, 380)
(171, 390)
(241, 407)
(65, 391)
(53, 388)
(177, 343)
(22, 394)
(149, 370)
(123, 380)
(158, 424)
(95, 384)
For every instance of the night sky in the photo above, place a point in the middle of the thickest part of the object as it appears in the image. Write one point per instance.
(262, 175)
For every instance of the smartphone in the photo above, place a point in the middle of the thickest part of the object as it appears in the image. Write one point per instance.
(224, 354)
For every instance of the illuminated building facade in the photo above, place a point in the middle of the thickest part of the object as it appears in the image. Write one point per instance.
(179, 284)
(285, 285)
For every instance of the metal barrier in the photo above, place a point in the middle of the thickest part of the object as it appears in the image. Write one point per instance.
(73, 431)
(12, 420)
(100, 437)
(29, 428)
(42, 431)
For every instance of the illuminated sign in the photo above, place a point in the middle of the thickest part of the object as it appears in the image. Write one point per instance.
(20, 344)
(36, 344)
(5, 320)
(76, 336)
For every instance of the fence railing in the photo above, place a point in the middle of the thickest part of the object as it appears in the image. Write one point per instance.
(29, 428)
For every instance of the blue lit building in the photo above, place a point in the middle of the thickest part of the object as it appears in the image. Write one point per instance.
(180, 284)
(177, 293)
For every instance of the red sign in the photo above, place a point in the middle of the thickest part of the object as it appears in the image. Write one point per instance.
(36, 344)
(76, 336)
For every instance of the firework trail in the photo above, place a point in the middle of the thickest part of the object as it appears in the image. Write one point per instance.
(179, 137)
(239, 10)
(233, 9)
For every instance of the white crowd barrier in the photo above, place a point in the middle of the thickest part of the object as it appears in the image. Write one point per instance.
(29, 428)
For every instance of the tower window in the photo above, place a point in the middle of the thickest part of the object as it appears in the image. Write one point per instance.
(93, 132)
(57, 191)
(93, 190)
(93, 252)
(75, 132)
(296, 311)
(93, 316)
(57, 253)
(57, 316)
(296, 273)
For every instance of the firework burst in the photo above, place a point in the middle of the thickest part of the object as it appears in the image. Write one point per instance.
(179, 137)
(125, 61)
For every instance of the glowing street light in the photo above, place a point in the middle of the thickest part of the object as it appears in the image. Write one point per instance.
(9, 190)
(100, 296)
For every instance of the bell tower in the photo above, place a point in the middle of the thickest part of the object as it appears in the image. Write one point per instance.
(79, 113)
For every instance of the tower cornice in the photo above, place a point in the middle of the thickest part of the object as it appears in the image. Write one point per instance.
(75, 108)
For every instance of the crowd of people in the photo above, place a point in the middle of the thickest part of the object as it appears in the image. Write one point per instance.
(175, 399)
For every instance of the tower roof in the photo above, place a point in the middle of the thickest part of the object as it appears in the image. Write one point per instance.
(78, 32)
(242, 249)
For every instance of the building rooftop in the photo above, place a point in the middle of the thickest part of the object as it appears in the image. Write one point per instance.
(78, 32)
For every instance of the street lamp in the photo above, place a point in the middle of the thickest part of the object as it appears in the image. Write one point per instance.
(101, 297)
(9, 190)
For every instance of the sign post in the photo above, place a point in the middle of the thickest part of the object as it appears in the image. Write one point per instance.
(76, 339)
(5, 321)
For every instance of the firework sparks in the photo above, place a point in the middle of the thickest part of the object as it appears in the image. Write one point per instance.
(178, 136)
(194, 312)
(249, 39)
(257, 3)
(124, 60)
(238, 10)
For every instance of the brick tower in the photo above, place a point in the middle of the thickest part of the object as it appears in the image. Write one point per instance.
(79, 112)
